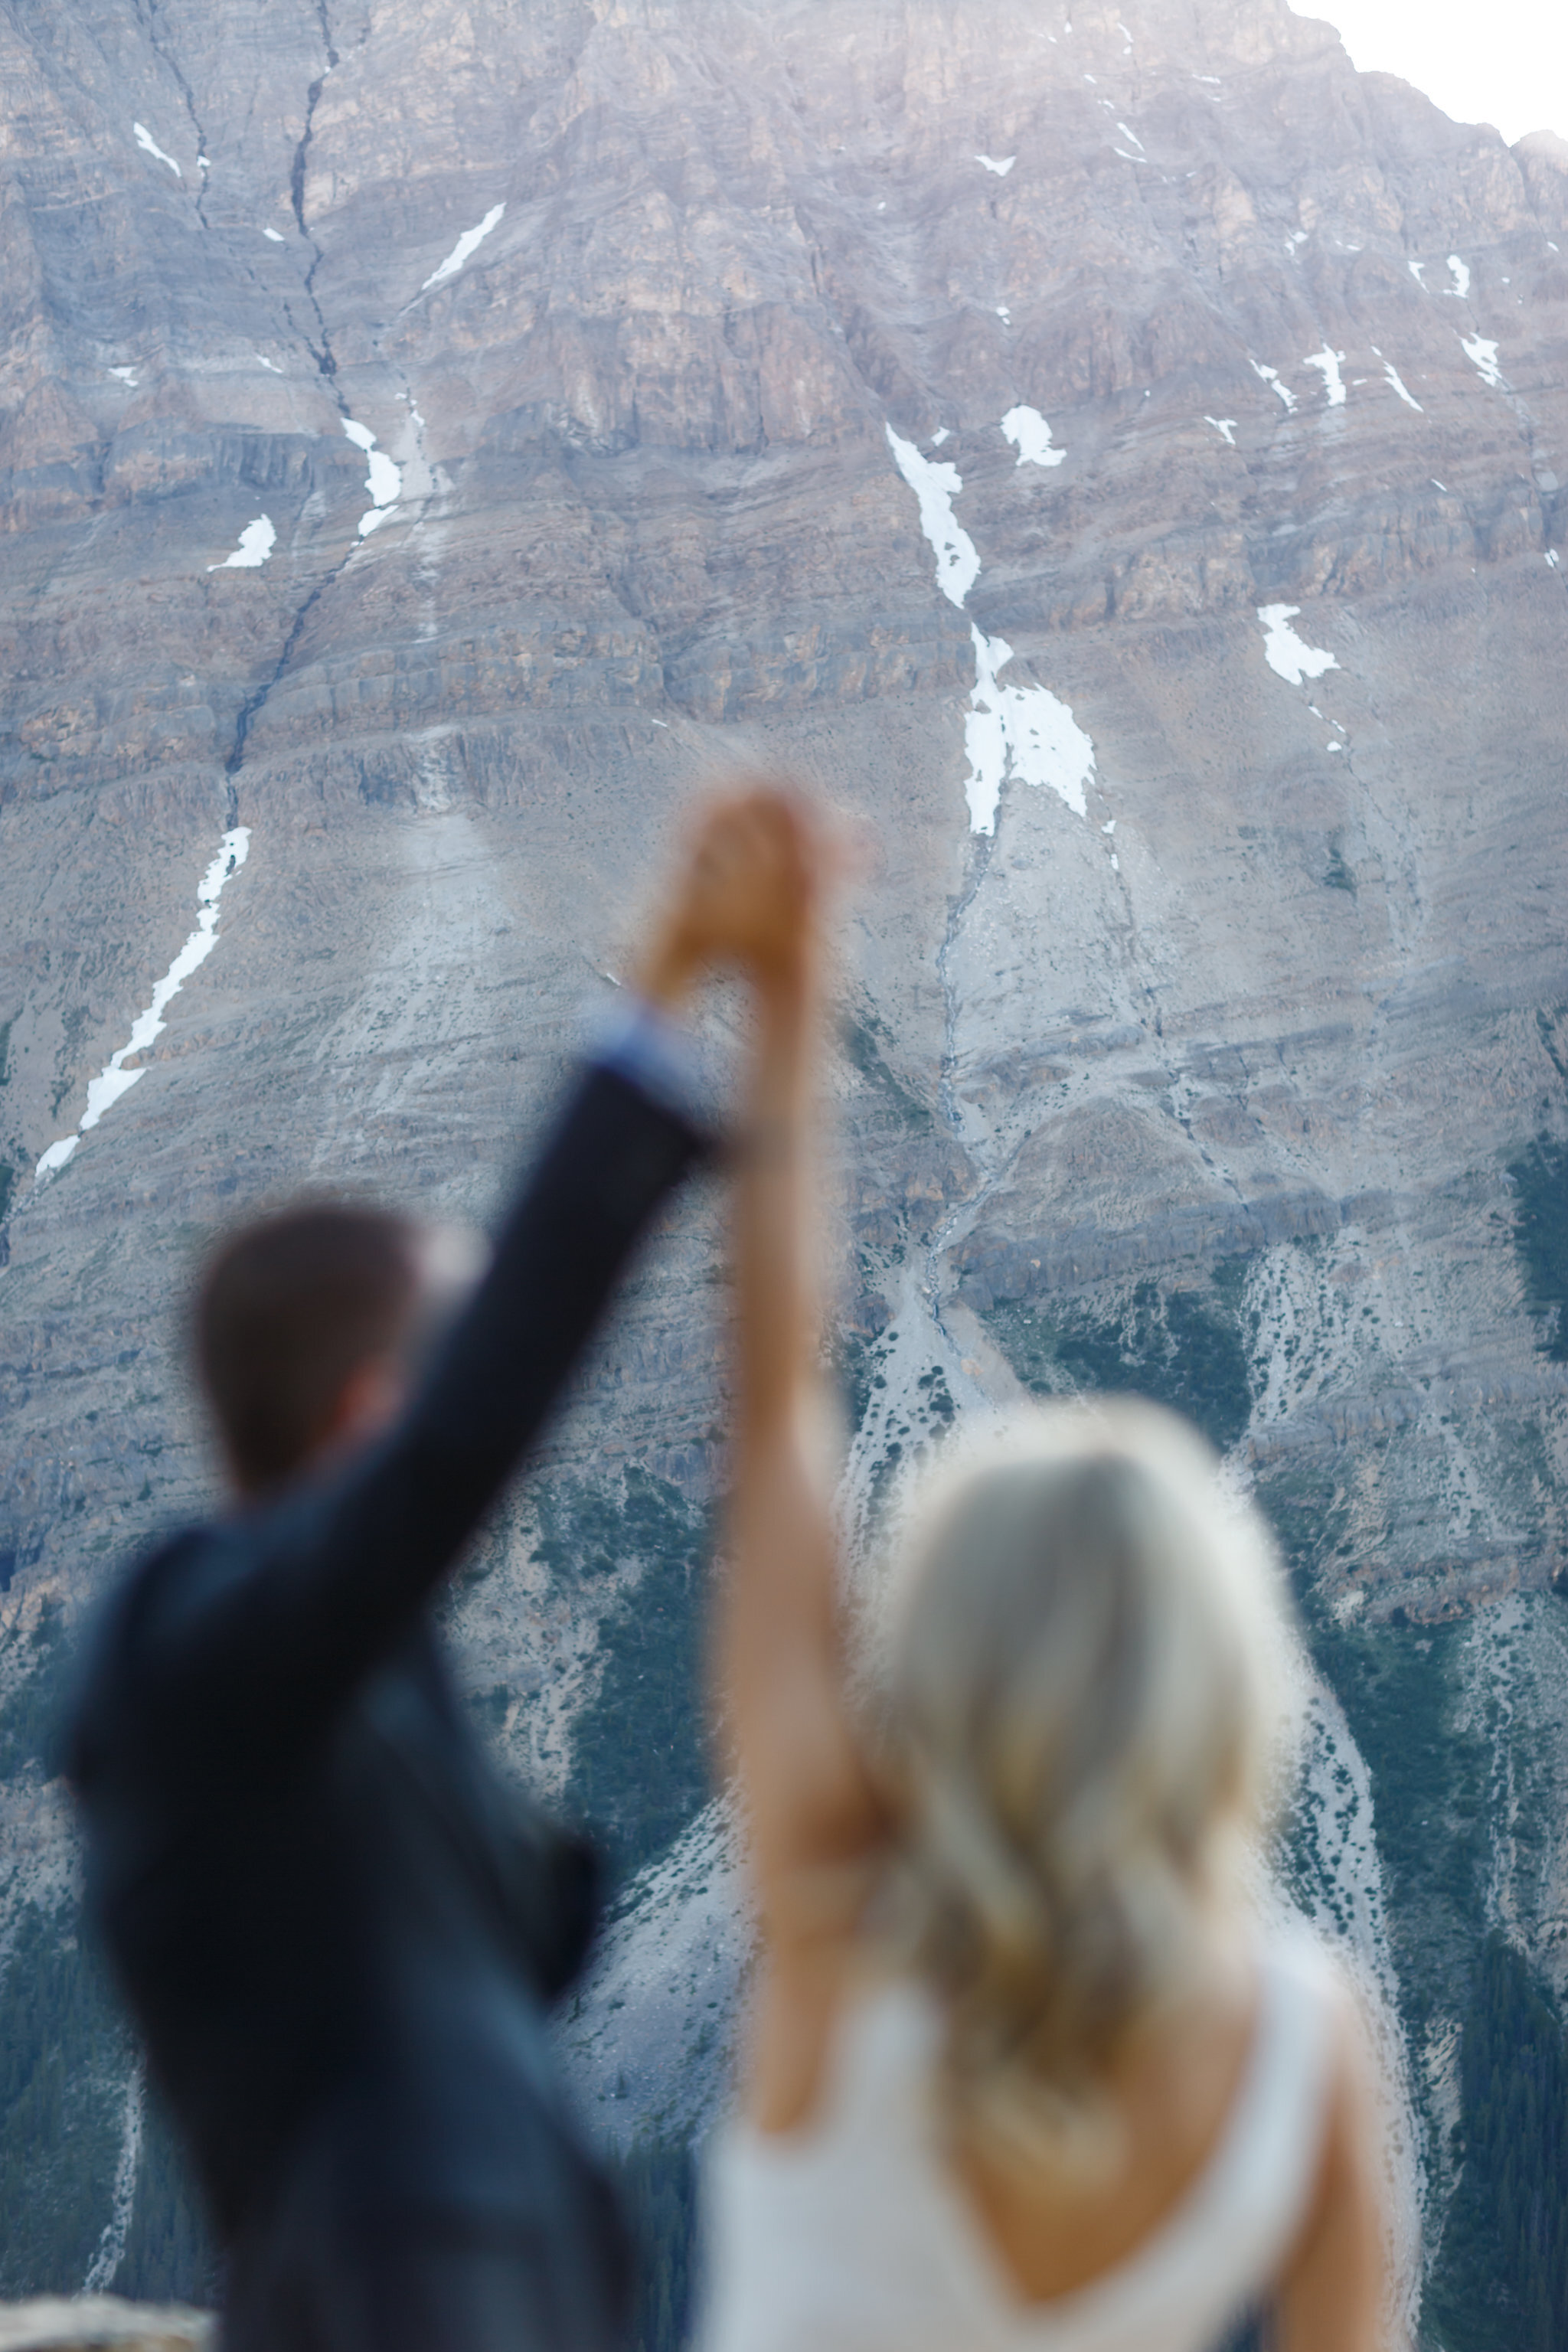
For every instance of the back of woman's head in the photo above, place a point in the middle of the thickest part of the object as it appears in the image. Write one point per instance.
(1087, 1682)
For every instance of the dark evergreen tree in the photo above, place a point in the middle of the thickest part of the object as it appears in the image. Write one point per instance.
(1503, 2279)
(657, 2180)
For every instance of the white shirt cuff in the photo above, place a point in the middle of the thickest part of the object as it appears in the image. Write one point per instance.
(657, 1053)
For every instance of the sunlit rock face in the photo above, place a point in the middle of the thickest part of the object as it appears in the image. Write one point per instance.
(1117, 460)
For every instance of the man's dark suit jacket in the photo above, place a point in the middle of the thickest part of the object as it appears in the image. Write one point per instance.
(337, 1928)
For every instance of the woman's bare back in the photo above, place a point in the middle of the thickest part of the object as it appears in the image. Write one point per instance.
(1168, 2103)
(1051, 2230)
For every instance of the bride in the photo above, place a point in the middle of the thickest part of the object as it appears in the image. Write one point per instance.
(1022, 2072)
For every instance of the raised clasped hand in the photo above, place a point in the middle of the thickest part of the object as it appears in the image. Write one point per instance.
(748, 895)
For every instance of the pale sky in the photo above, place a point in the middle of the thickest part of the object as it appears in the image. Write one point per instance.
(1503, 62)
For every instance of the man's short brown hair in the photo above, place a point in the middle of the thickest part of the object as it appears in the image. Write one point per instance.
(287, 1310)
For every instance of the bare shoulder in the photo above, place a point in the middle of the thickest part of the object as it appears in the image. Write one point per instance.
(1334, 2290)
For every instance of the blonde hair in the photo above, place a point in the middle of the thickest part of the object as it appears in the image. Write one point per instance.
(1086, 1685)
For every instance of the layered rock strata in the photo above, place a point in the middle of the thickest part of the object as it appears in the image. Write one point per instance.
(1118, 457)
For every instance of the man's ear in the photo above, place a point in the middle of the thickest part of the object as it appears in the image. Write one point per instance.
(368, 1402)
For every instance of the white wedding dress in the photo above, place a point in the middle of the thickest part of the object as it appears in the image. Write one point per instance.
(850, 2235)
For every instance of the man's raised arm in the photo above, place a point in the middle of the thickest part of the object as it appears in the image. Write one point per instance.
(262, 1625)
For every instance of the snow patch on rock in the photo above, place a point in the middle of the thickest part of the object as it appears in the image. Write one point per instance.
(1327, 362)
(1392, 374)
(1271, 377)
(1224, 426)
(1019, 731)
(256, 541)
(1285, 652)
(149, 146)
(1031, 436)
(383, 479)
(114, 1079)
(1000, 165)
(936, 484)
(467, 244)
(1010, 731)
(1481, 352)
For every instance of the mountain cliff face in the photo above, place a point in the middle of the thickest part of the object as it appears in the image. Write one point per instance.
(1115, 456)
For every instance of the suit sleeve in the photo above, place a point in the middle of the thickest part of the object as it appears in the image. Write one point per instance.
(277, 1616)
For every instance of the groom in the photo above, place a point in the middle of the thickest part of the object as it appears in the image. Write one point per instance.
(337, 1928)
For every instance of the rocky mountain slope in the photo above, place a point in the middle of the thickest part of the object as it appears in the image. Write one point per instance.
(1116, 456)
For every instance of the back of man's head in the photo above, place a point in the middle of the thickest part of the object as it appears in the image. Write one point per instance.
(289, 1308)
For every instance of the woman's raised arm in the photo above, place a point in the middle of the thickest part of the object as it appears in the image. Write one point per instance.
(778, 1648)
